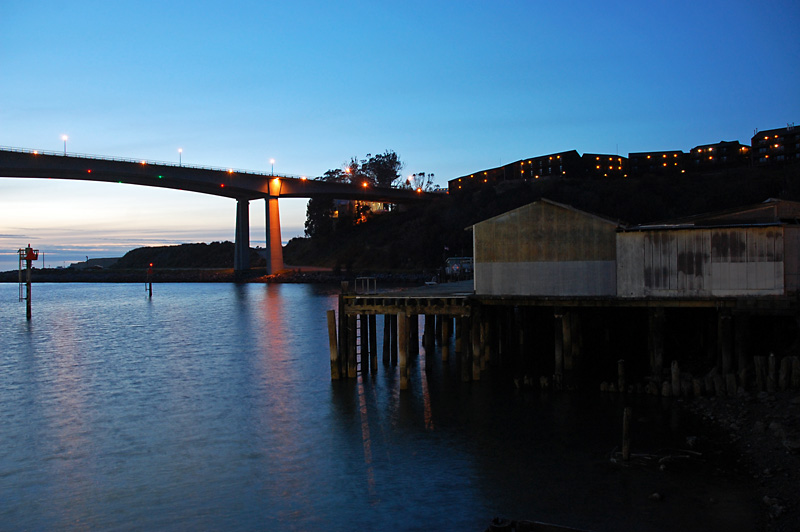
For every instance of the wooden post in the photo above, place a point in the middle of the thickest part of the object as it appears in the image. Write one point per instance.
(344, 349)
(772, 373)
(352, 361)
(363, 329)
(387, 338)
(459, 344)
(413, 328)
(335, 373)
(395, 340)
(761, 373)
(403, 337)
(446, 322)
(676, 379)
(477, 351)
(429, 339)
(558, 330)
(373, 342)
(626, 433)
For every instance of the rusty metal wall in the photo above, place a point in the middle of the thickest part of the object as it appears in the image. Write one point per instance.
(736, 261)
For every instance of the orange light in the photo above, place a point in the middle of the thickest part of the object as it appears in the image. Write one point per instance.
(222, 185)
(230, 170)
(648, 156)
(364, 184)
(303, 178)
(419, 190)
(89, 171)
(36, 152)
(144, 162)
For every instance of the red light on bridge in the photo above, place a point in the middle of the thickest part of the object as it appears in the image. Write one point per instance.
(222, 185)
(89, 171)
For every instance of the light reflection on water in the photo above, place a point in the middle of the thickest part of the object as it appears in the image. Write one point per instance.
(210, 406)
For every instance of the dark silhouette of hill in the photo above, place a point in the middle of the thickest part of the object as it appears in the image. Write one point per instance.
(214, 255)
(421, 236)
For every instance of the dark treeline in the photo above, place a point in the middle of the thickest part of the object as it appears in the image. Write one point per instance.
(422, 236)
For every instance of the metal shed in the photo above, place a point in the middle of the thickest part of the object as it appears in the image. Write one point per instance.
(751, 251)
(545, 249)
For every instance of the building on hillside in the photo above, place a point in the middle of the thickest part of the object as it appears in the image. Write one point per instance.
(721, 155)
(545, 249)
(776, 146)
(657, 163)
(750, 251)
(604, 165)
(562, 164)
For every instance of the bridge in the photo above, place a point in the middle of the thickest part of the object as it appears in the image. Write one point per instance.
(243, 186)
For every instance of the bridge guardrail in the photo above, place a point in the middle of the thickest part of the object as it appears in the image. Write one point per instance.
(146, 161)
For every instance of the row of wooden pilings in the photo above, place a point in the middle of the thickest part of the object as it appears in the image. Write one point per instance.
(353, 337)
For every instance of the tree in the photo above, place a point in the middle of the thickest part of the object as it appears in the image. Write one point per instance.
(379, 170)
(319, 217)
(383, 169)
(419, 181)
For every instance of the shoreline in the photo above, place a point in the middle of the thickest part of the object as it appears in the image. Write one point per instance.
(210, 275)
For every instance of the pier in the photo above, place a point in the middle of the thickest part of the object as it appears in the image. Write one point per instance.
(660, 346)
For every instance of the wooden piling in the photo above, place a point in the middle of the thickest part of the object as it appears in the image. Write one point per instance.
(335, 371)
(459, 343)
(465, 353)
(387, 338)
(626, 433)
(477, 348)
(675, 371)
(558, 330)
(395, 340)
(352, 361)
(403, 340)
(373, 342)
(446, 322)
(760, 364)
(772, 373)
(364, 343)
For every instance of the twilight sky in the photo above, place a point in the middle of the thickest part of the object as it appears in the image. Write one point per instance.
(452, 87)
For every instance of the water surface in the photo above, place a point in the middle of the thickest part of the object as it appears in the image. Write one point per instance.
(210, 407)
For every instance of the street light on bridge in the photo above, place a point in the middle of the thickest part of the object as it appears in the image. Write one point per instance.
(272, 162)
(64, 138)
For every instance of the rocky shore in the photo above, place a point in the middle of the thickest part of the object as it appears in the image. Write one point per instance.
(763, 430)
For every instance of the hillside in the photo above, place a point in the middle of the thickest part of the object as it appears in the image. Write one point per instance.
(422, 236)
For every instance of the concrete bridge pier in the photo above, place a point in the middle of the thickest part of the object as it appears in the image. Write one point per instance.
(274, 249)
(241, 246)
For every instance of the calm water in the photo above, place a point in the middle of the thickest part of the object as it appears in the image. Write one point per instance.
(210, 407)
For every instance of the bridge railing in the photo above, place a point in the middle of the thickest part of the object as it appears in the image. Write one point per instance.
(146, 161)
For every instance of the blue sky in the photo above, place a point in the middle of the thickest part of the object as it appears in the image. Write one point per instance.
(452, 87)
